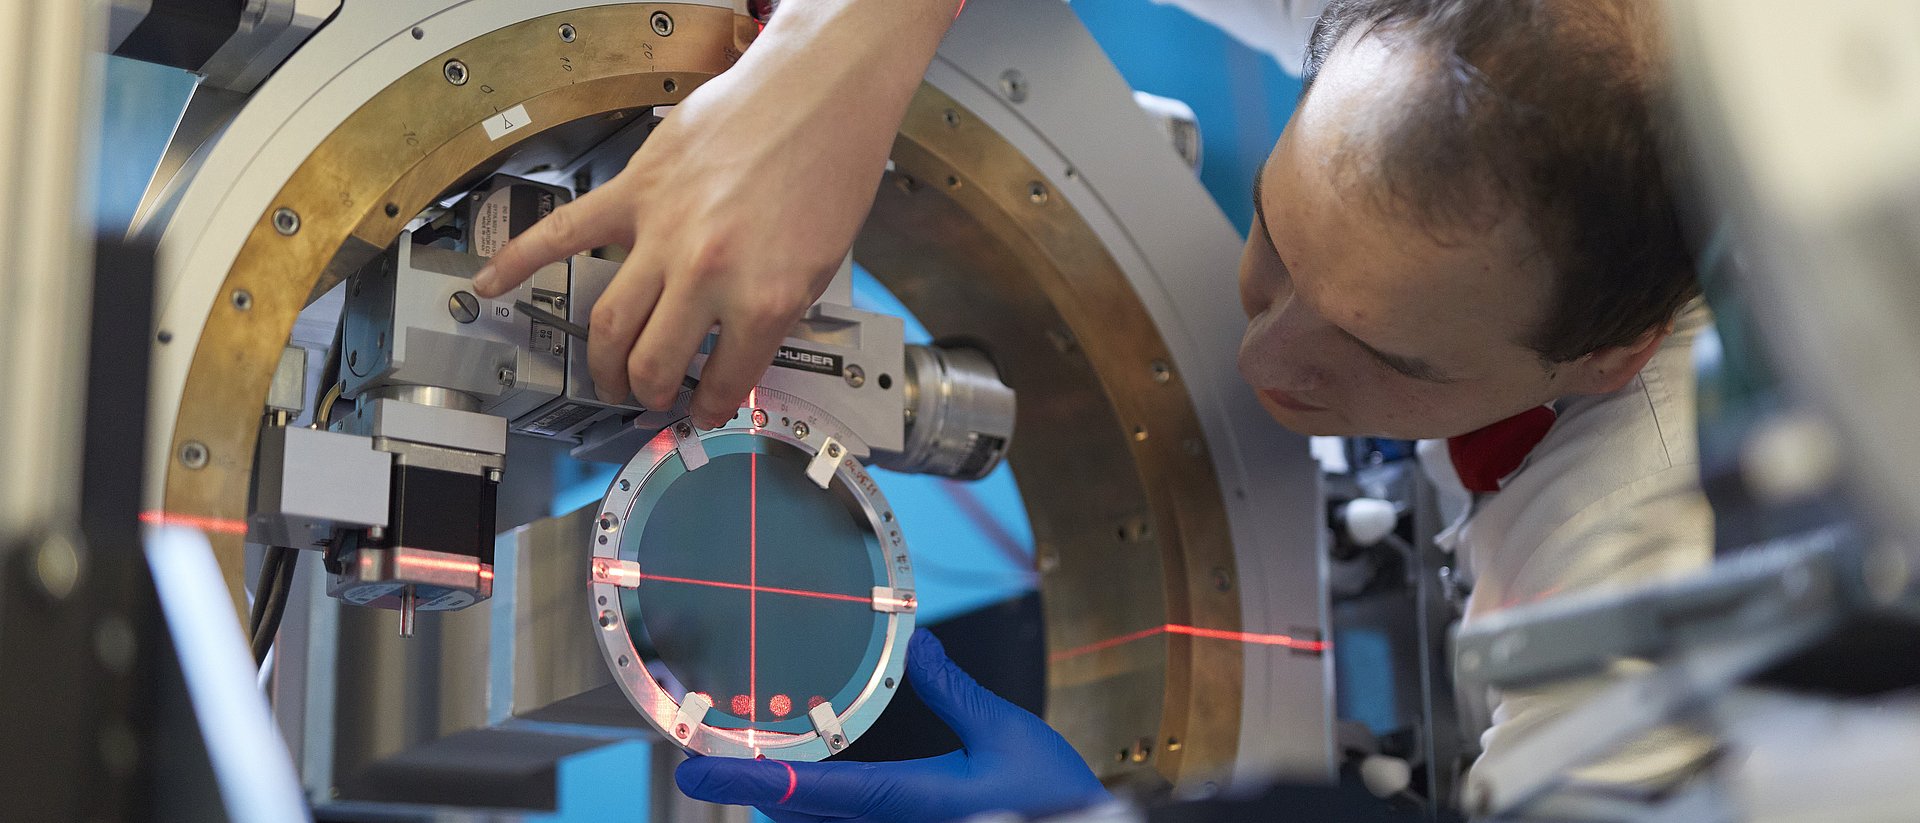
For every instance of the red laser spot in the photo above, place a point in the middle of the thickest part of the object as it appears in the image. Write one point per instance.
(742, 705)
(218, 525)
(815, 701)
(781, 705)
(1251, 638)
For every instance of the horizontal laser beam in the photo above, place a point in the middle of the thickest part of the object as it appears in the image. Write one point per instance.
(1251, 638)
(220, 525)
(744, 587)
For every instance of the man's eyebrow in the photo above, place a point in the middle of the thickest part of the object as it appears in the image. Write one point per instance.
(1412, 367)
(1260, 211)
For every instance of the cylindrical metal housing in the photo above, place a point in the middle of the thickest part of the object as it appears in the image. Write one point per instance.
(959, 414)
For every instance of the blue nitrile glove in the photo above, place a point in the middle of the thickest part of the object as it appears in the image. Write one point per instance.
(1009, 760)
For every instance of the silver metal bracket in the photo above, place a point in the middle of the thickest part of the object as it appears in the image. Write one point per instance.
(693, 712)
(687, 442)
(622, 573)
(893, 601)
(826, 721)
(820, 469)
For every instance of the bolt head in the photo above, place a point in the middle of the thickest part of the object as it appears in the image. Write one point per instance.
(568, 33)
(662, 24)
(286, 221)
(456, 72)
(464, 307)
(801, 430)
(759, 419)
(193, 454)
(856, 376)
(681, 731)
(1013, 84)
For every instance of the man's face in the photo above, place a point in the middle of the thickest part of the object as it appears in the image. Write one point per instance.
(1363, 322)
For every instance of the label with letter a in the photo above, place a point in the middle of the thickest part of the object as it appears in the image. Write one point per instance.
(813, 361)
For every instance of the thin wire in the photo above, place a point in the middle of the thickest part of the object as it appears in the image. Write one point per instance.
(276, 605)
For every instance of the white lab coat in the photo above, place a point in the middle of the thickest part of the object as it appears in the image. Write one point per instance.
(1609, 498)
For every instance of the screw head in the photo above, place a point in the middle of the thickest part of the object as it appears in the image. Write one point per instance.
(681, 731)
(759, 418)
(568, 32)
(464, 307)
(801, 430)
(1013, 84)
(1037, 192)
(506, 378)
(1162, 373)
(286, 221)
(683, 429)
(193, 454)
(56, 567)
(456, 72)
(241, 299)
(662, 23)
(951, 118)
(833, 451)
(856, 376)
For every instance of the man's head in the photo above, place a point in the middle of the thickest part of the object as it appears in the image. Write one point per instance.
(1468, 216)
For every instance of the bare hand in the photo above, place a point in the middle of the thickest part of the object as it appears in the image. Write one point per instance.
(738, 210)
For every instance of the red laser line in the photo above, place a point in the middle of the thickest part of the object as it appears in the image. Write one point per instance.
(753, 594)
(793, 782)
(1251, 638)
(766, 589)
(156, 517)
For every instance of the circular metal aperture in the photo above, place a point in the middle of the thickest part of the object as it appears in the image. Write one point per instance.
(745, 608)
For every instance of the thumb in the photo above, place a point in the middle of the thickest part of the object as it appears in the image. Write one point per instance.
(980, 717)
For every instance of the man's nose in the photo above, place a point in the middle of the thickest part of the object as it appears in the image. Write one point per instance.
(1278, 353)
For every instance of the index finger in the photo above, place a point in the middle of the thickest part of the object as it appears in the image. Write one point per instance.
(590, 222)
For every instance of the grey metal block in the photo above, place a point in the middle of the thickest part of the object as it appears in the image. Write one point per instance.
(310, 481)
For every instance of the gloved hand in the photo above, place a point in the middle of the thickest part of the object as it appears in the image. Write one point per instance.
(1009, 760)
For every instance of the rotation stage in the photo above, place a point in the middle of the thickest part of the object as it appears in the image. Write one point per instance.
(1032, 211)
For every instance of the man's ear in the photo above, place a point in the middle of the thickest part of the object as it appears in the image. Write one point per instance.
(1610, 369)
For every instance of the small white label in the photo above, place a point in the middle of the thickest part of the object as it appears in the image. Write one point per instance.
(506, 122)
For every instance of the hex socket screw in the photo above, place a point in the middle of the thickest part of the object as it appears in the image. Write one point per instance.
(662, 23)
(286, 221)
(456, 72)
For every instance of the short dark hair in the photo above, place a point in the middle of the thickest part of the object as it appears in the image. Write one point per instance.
(1558, 108)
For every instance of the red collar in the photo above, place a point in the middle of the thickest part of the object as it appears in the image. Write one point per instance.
(1486, 456)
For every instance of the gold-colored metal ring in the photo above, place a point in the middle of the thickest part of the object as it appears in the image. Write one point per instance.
(1131, 532)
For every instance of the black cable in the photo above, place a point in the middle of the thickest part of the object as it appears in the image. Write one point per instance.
(276, 606)
(269, 571)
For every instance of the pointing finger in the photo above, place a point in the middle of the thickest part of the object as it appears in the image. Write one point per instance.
(594, 220)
